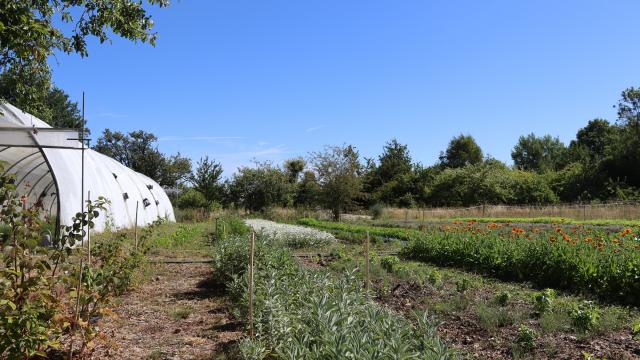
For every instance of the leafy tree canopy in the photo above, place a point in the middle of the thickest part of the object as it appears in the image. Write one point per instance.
(338, 169)
(206, 179)
(294, 168)
(32, 30)
(540, 154)
(394, 161)
(138, 150)
(462, 150)
(260, 187)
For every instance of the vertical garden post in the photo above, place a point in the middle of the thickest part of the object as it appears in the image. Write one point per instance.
(366, 265)
(88, 231)
(252, 242)
(135, 227)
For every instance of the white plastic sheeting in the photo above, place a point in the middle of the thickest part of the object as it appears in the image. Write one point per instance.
(48, 167)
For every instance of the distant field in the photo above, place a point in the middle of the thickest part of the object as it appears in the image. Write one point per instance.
(574, 212)
(520, 220)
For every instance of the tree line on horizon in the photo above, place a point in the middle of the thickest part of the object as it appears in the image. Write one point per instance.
(601, 164)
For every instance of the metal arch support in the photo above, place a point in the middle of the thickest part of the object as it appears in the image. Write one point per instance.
(46, 188)
(29, 173)
(55, 181)
(21, 160)
(51, 206)
(37, 182)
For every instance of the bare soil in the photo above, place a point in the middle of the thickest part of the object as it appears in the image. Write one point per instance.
(462, 329)
(180, 313)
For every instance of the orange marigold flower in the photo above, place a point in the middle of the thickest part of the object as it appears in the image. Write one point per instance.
(626, 232)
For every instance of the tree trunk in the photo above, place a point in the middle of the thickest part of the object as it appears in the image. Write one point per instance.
(336, 213)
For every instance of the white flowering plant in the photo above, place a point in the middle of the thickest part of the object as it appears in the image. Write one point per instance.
(292, 236)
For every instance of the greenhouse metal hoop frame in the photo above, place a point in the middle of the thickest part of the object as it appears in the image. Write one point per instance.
(32, 131)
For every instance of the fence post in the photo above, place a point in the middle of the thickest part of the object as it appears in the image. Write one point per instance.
(89, 232)
(251, 251)
(366, 265)
(135, 227)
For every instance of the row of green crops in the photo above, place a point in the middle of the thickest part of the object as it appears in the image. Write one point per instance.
(311, 314)
(577, 259)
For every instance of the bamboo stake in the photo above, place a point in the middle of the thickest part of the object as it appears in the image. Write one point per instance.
(135, 227)
(251, 250)
(366, 265)
(217, 234)
(89, 230)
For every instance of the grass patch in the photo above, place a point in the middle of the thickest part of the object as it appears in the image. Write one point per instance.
(491, 317)
(181, 312)
(552, 322)
(456, 303)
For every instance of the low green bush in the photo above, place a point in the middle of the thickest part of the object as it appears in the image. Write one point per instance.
(389, 262)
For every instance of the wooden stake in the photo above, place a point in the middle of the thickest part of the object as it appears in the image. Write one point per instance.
(89, 231)
(135, 227)
(251, 250)
(366, 265)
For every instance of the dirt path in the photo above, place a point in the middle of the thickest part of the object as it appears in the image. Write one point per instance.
(180, 313)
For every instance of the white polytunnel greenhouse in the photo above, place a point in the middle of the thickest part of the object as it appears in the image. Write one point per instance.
(48, 162)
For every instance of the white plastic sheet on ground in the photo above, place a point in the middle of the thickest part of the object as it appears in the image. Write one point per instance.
(47, 163)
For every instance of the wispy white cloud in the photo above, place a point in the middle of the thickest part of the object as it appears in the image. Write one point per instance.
(200, 138)
(314, 128)
(254, 153)
(279, 149)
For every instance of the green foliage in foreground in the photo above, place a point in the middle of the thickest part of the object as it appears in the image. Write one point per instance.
(306, 314)
(584, 262)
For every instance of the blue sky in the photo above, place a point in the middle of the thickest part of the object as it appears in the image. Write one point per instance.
(238, 80)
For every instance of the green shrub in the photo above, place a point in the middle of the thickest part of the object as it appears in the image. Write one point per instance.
(635, 330)
(503, 298)
(526, 340)
(543, 301)
(191, 199)
(585, 316)
(389, 263)
(376, 211)
(463, 284)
